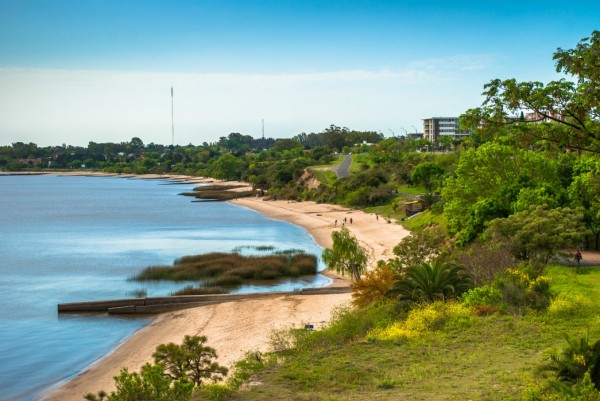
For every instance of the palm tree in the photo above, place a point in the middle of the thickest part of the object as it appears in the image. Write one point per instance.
(428, 282)
(575, 360)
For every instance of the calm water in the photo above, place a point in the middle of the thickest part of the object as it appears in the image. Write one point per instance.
(68, 239)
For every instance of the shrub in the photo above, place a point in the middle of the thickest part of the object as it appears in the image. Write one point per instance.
(484, 263)
(192, 360)
(428, 244)
(429, 282)
(522, 289)
(567, 305)
(486, 295)
(373, 286)
(578, 359)
(424, 319)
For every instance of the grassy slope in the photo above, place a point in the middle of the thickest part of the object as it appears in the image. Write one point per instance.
(494, 358)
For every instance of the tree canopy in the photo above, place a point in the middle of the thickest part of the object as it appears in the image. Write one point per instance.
(346, 256)
(569, 107)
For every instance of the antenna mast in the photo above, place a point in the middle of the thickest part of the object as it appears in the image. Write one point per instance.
(263, 128)
(172, 121)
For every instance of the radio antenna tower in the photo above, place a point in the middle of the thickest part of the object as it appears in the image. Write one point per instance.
(263, 128)
(172, 121)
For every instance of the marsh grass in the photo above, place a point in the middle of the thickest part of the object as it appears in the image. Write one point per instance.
(219, 192)
(475, 357)
(229, 270)
(259, 248)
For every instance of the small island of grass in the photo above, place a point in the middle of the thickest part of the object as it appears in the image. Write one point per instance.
(218, 272)
(218, 193)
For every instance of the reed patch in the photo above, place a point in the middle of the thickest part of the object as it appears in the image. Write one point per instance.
(218, 271)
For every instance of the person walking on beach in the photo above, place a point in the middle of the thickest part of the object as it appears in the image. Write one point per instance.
(350, 220)
(335, 223)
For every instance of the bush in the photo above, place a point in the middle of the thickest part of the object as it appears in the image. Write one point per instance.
(523, 289)
(486, 295)
(567, 305)
(373, 286)
(578, 359)
(424, 319)
(484, 263)
(429, 282)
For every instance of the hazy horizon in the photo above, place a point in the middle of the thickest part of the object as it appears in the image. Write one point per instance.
(75, 72)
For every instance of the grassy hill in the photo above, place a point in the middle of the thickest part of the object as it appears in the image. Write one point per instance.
(452, 356)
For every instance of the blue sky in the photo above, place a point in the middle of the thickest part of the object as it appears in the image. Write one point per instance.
(88, 70)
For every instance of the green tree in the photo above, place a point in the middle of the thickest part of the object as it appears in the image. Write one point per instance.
(226, 167)
(428, 174)
(446, 142)
(538, 234)
(286, 144)
(148, 385)
(584, 192)
(429, 282)
(493, 181)
(191, 360)
(428, 244)
(346, 256)
(573, 106)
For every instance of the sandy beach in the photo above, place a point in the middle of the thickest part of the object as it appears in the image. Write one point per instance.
(235, 328)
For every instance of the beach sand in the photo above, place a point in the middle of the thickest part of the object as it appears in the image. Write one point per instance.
(235, 328)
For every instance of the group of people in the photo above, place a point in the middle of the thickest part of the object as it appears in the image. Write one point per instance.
(343, 222)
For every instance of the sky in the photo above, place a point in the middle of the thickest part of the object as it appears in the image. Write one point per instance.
(75, 71)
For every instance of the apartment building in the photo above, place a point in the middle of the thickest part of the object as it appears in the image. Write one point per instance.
(536, 117)
(435, 127)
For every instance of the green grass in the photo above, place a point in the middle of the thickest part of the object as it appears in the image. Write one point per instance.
(423, 219)
(326, 177)
(490, 358)
(410, 189)
(359, 162)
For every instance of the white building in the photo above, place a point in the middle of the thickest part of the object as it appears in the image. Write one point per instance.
(435, 127)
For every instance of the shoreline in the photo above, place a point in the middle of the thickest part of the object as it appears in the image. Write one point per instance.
(237, 327)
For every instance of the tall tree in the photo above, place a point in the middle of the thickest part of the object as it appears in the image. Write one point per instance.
(191, 360)
(538, 234)
(573, 105)
(346, 256)
(429, 174)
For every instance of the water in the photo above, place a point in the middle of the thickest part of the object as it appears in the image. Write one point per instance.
(68, 239)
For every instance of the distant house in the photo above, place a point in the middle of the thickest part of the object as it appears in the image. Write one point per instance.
(536, 117)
